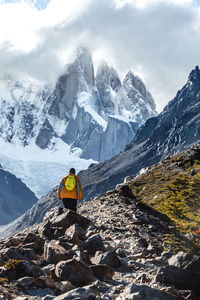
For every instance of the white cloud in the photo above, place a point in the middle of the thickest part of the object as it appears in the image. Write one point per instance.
(20, 22)
(158, 40)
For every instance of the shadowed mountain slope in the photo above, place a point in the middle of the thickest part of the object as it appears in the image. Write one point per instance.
(175, 129)
(15, 197)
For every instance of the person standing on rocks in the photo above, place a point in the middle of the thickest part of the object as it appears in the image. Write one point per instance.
(70, 190)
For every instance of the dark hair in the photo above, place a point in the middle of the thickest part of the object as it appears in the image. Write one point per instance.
(72, 171)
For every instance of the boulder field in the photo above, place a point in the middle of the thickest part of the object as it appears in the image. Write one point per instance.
(113, 248)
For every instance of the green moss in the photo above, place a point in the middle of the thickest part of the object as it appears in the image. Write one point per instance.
(170, 189)
(11, 263)
(3, 280)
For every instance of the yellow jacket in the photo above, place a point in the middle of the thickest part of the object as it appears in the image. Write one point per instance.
(76, 193)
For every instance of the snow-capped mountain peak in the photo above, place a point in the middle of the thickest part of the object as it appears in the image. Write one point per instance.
(91, 116)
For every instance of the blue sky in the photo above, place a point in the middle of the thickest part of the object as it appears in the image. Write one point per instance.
(159, 40)
(40, 4)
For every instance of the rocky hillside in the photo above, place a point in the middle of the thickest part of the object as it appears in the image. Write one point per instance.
(175, 129)
(174, 180)
(15, 197)
(119, 252)
(173, 187)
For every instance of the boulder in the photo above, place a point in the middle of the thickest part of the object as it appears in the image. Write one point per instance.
(75, 233)
(65, 286)
(26, 281)
(82, 255)
(28, 268)
(74, 271)
(53, 253)
(69, 218)
(83, 293)
(143, 292)
(185, 261)
(109, 258)
(45, 231)
(28, 253)
(8, 274)
(10, 253)
(180, 278)
(102, 272)
(94, 244)
(33, 238)
(125, 190)
(35, 246)
(50, 282)
(13, 241)
(52, 213)
(49, 269)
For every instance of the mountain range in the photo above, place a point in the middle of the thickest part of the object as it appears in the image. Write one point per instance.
(173, 130)
(86, 118)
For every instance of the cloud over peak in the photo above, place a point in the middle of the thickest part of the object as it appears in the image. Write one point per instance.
(157, 40)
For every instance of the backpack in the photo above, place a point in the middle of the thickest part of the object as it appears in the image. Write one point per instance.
(70, 183)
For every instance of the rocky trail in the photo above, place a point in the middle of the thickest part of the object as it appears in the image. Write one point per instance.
(113, 248)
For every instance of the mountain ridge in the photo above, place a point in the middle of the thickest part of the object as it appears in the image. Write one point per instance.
(148, 148)
(173, 130)
(126, 249)
(15, 197)
(85, 118)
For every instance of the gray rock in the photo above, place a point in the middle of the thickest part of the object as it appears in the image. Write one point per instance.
(45, 230)
(48, 297)
(83, 293)
(53, 252)
(180, 260)
(75, 233)
(102, 271)
(29, 253)
(74, 271)
(181, 278)
(93, 244)
(26, 281)
(37, 293)
(185, 261)
(143, 292)
(125, 190)
(109, 258)
(49, 269)
(45, 135)
(10, 253)
(32, 237)
(69, 218)
(13, 241)
(28, 268)
(52, 213)
(65, 286)
(83, 256)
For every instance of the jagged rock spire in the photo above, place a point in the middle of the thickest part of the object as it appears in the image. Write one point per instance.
(195, 75)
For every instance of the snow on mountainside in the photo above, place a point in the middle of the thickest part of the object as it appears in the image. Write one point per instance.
(84, 104)
(84, 119)
(23, 106)
(40, 169)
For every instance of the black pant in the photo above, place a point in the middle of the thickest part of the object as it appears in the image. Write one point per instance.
(70, 203)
